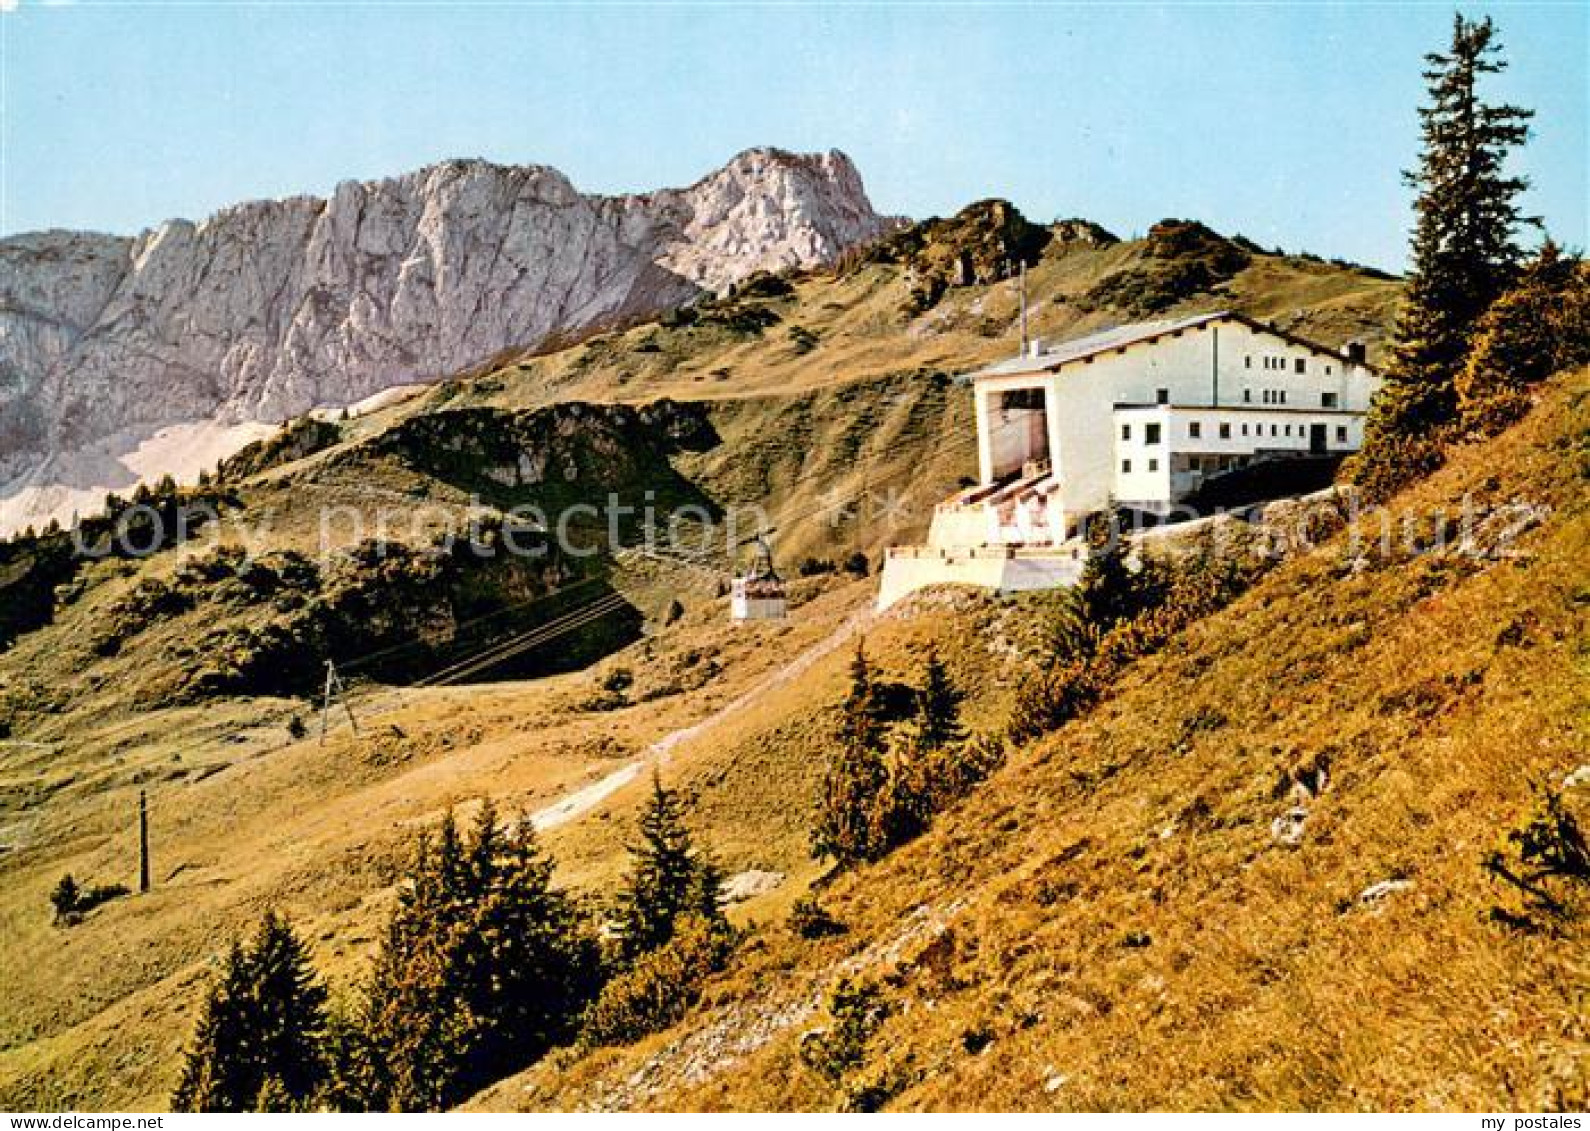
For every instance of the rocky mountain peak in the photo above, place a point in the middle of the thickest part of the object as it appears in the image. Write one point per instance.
(268, 308)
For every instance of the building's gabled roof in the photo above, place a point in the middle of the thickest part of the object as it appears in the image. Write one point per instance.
(1090, 346)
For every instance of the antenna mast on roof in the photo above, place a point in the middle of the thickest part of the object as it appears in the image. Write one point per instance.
(1023, 308)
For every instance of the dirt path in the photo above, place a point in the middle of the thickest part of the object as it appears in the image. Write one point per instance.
(581, 801)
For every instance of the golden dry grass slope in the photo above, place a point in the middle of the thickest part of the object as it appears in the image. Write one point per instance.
(1111, 921)
(859, 402)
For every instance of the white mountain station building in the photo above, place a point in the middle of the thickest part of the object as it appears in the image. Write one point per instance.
(1139, 417)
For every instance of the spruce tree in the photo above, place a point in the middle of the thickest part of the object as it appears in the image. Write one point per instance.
(215, 1069)
(65, 898)
(916, 783)
(291, 1009)
(1465, 254)
(482, 969)
(938, 705)
(846, 828)
(904, 803)
(528, 966)
(273, 1097)
(863, 685)
(668, 877)
(261, 1028)
(412, 1032)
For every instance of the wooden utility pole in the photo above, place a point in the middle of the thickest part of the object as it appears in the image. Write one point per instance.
(143, 840)
(335, 689)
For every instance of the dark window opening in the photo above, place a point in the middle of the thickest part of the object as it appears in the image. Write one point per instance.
(1021, 399)
(1151, 433)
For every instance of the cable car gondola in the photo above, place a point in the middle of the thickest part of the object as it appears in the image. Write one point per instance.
(758, 594)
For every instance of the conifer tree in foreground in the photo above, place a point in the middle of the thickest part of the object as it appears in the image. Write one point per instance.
(938, 705)
(670, 929)
(483, 968)
(215, 1075)
(1465, 254)
(668, 877)
(883, 787)
(258, 1043)
(846, 829)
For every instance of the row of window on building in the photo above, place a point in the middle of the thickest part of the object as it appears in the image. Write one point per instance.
(1278, 396)
(1278, 364)
(1152, 432)
(1206, 464)
(1267, 396)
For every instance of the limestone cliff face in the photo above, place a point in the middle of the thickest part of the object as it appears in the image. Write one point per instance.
(267, 309)
(53, 286)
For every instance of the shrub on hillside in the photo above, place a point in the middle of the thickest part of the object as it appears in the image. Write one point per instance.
(661, 985)
(762, 284)
(809, 919)
(71, 901)
(150, 600)
(64, 897)
(855, 1011)
(1117, 615)
(1052, 696)
(1538, 328)
(802, 339)
(1544, 862)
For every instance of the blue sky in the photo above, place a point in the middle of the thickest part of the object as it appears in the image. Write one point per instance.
(1287, 122)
